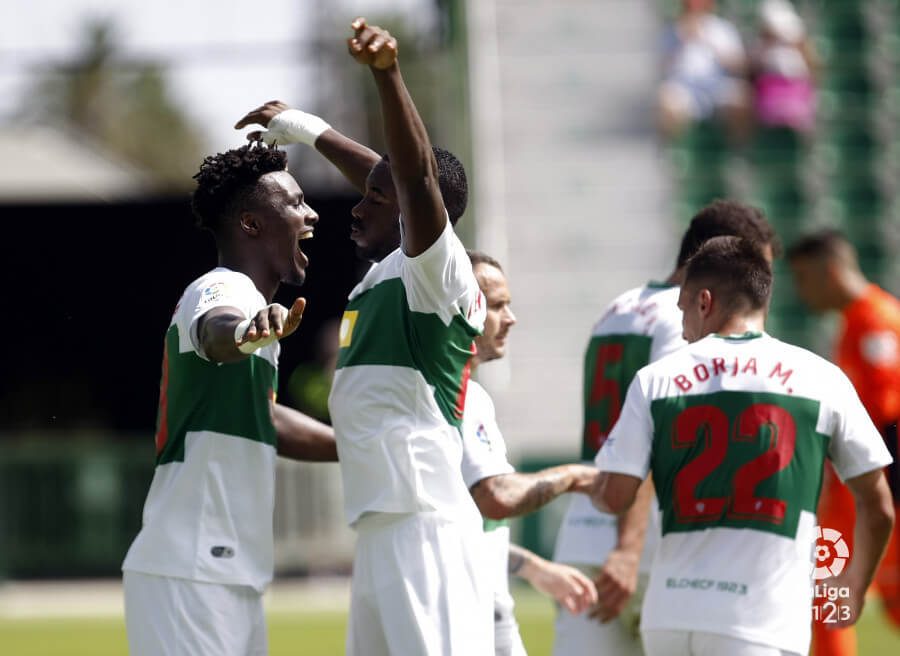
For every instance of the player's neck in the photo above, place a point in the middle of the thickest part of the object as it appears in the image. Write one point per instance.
(853, 285)
(253, 268)
(754, 322)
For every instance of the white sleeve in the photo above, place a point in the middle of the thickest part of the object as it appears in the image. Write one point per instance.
(441, 281)
(627, 449)
(668, 336)
(484, 451)
(216, 289)
(857, 447)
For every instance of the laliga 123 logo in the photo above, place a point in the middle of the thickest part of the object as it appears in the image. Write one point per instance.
(831, 552)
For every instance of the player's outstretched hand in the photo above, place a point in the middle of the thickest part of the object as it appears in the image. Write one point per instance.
(269, 324)
(616, 583)
(568, 586)
(372, 45)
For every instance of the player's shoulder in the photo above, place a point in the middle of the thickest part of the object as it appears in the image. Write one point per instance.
(627, 307)
(477, 398)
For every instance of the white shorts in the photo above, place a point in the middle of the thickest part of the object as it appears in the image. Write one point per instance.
(507, 641)
(419, 588)
(579, 635)
(661, 642)
(175, 617)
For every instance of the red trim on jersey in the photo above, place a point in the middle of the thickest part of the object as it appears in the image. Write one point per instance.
(460, 404)
(162, 431)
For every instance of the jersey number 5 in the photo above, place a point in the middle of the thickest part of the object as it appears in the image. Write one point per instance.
(604, 390)
(708, 425)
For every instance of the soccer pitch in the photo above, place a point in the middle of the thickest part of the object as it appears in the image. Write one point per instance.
(321, 632)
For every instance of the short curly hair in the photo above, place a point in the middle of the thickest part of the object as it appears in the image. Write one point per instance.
(722, 218)
(452, 181)
(228, 179)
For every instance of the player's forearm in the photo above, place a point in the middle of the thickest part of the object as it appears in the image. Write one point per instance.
(522, 563)
(632, 525)
(303, 438)
(216, 335)
(872, 530)
(352, 159)
(513, 495)
(413, 166)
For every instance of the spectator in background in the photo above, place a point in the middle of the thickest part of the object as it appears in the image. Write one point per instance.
(704, 65)
(828, 278)
(784, 66)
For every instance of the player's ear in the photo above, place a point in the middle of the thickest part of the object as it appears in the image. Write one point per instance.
(250, 223)
(704, 300)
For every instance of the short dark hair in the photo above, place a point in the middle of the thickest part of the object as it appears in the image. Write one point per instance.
(828, 243)
(477, 257)
(228, 179)
(452, 181)
(735, 269)
(724, 218)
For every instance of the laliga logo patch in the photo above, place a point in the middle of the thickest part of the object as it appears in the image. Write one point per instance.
(831, 553)
(482, 435)
(213, 293)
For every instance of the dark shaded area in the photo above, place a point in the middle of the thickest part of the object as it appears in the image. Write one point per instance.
(89, 292)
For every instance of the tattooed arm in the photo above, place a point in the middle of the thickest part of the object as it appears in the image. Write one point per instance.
(515, 494)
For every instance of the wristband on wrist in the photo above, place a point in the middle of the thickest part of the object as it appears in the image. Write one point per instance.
(294, 126)
(250, 347)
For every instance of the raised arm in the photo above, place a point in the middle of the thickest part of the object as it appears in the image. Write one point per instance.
(287, 125)
(301, 437)
(413, 167)
(516, 494)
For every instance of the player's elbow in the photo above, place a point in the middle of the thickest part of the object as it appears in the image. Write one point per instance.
(493, 507)
(611, 495)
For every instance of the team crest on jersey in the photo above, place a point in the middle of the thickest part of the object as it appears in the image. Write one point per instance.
(482, 435)
(213, 293)
(348, 323)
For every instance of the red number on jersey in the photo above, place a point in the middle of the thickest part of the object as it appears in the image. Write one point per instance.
(710, 424)
(607, 389)
(714, 426)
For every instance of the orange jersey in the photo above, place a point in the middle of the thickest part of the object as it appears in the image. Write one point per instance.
(868, 351)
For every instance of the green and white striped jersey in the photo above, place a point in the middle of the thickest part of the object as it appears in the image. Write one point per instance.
(639, 327)
(399, 388)
(208, 514)
(736, 431)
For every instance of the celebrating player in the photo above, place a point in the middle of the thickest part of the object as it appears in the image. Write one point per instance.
(194, 576)
(419, 583)
(500, 491)
(639, 327)
(735, 429)
(828, 278)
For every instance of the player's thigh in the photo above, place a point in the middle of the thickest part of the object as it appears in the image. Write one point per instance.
(168, 617)
(421, 585)
(663, 642)
(579, 635)
(507, 640)
(443, 599)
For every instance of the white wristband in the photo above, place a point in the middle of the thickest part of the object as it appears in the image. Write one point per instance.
(241, 329)
(294, 126)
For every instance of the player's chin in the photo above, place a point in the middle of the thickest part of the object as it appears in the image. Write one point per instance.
(296, 277)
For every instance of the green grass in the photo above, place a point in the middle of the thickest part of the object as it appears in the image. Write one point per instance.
(321, 633)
